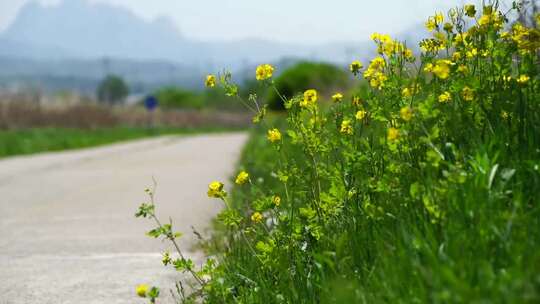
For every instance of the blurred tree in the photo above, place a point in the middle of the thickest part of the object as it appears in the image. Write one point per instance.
(112, 90)
(308, 75)
(174, 97)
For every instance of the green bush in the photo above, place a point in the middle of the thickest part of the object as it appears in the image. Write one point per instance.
(173, 97)
(307, 75)
(178, 98)
(112, 90)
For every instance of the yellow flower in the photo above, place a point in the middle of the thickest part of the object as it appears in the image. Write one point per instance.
(393, 134)
(456, 56)
(337, 97)
(467, 93)
(527, 39)
(434, 21)
(142, 290)
(378, 80)
(490, 18)
(242, 178)
(463, 69)
(210, 81)
(504, 115)
(406, 92)
(346, 127)
(505, 35)
(276, 200)
(472, 53)
(439, 18)
(355, 67)
(256, 217)
(274, 135)
(523, 79)
(445, 97)
(470, 10)
(215, 190)
(442, 68)
(360, 114)
(406, 113)
(377, 63)
(264, 71)
(408, 53)
(310, 98)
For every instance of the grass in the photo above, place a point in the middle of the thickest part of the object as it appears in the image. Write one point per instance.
(422, 188)
(28, 141)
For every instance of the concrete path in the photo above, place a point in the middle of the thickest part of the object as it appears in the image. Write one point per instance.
(67, 228)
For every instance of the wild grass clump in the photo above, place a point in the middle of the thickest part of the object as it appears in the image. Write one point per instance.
(17, 115)
(423, 189)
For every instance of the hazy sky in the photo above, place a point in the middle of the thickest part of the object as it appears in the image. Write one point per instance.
(305, 21)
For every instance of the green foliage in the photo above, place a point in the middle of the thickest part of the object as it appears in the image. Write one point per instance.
(112, 90)
(28, 141)
(172, 97)
(178, 98)
(307, 75)
(424, 189)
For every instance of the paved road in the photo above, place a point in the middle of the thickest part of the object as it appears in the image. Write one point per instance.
(67, 230)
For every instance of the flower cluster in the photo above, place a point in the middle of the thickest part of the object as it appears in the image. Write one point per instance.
(264, 71)
(215, 190)
(431, 148)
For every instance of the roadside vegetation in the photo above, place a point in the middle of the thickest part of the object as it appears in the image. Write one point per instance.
(422, 187)
(27, 128)
(29, 141)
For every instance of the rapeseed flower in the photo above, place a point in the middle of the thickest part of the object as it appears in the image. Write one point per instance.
(274, 135)
(410, 90)
(522, 79)
(393, 134)
(527, 39)
(360, 114)
(337, 97)
(210, 81)
(433, 22)
(491, 19)
(445, 97)
(142, 290)
(408, 54)
(467, 93)
(276, 200)
(256, 217)
(346, 127)
(406, 92)
(215, 190)
(264, 71)
(310, 98)
(406, 113)
(355, 67)
(442, 68)
(242, 178)
(463, 69)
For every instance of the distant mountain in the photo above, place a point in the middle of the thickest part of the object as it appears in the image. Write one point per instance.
(78, 29)
(96, 30)
(78, 42)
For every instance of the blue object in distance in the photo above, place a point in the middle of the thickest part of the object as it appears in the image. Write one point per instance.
(151, 103)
